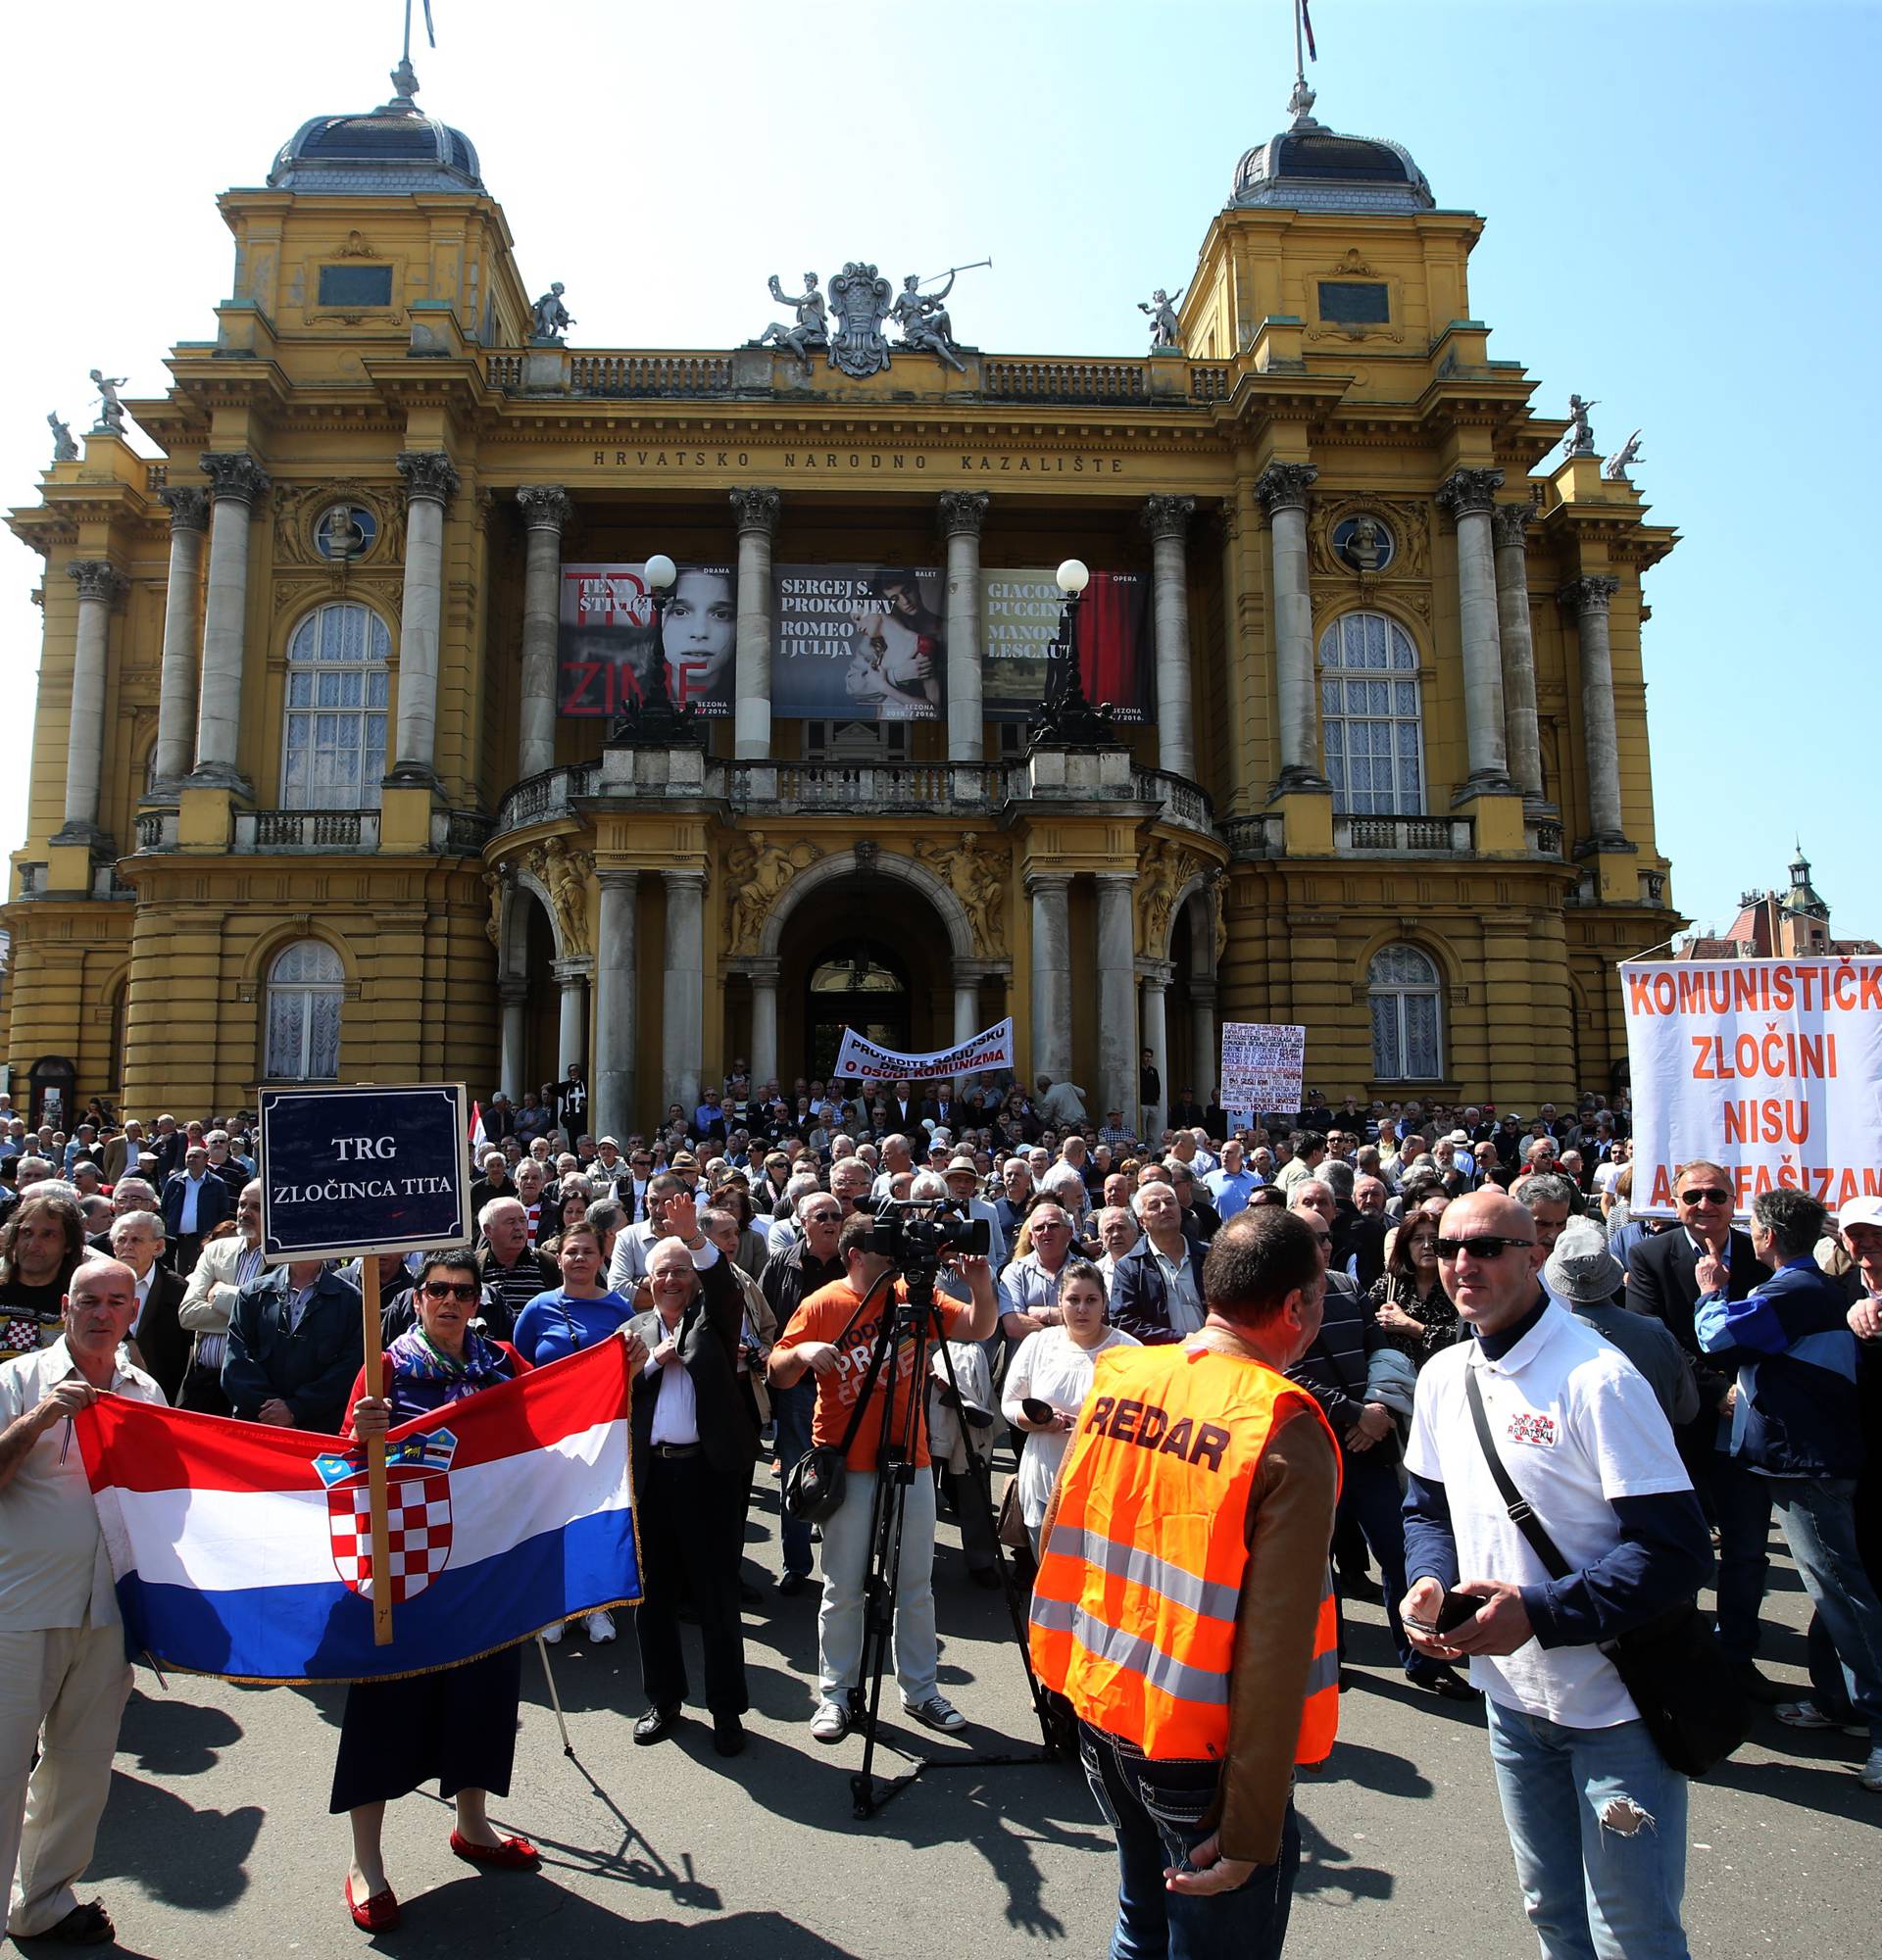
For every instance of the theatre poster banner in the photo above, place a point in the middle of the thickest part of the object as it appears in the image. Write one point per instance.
(1771, 1068)
(858, 643)
(1020, 614)
(605, 645)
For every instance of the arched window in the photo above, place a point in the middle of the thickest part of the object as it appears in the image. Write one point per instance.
(1401, 990)
(333, 753)
(1370, 724)
(305, 986)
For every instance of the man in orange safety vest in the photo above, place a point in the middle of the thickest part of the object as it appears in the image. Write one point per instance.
(1184, 1604)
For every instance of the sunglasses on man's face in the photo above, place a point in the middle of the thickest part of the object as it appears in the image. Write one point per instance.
(1705, 1195)
(464, 1291)
(1483, 1247)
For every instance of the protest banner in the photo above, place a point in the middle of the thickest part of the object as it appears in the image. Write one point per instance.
(992, 1049)
(1262, 1063)
(1769, 1067)
(362, 1171)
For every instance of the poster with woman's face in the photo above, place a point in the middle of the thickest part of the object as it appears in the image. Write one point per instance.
(606, 647)
(858, 643)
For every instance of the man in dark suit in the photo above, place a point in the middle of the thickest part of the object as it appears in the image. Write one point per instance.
(163, 1347)
(295, 1347)
(694, 1448)
(1186, 1113)
(1157, 1287)
(1662, 1281)
(904, 1108)
(195, 1201)
(942, 1110)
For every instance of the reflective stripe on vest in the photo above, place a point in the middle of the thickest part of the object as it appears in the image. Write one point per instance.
(1133, 1612)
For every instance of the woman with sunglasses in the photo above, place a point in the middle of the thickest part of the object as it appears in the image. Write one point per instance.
(1408, 1300)
(458, 1724)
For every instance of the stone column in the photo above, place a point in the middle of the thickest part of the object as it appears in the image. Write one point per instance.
(99, 587)
(1050, 1036)
(757, 514)
(1116, 993)
(1588, 599)
(1282, 488)
(682, 1031)
(183, 601)
(962, 512)
(1205, 1053)
(571, 1024)
(1468, 496)
(967, 1007)
(545, 511)
(763, 973)
(615, 993)
(1156, 1039)
(515, 996)
(236, 483)
(1522, 733)
(431, 482)
(1166, 518)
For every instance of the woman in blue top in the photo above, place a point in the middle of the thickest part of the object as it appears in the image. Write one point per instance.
(555, 1325)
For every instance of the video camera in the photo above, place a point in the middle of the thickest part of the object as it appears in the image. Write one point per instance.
(925, 1240)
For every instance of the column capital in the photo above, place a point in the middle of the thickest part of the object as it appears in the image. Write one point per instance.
(234, 476)
(1168, 516)
(1283, 486)
(1047, 881)
(677, 877)
(96, 578)
(1156, 974)
(616, 877)
(428, 472)
(1590, 594)
(512, 993)
(1126, 879)
(545, 507)
(1509, 521)
(759, 970)
(1468, 493)
(188, 507)
(1202, 993)
(756, 510)
(961, 512)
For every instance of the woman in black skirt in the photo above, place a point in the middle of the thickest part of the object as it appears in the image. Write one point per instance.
(458, 1724)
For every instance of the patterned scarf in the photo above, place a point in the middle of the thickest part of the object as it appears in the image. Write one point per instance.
(426, 1377)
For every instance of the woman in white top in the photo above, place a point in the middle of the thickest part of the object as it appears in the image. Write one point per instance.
(1054, 1366)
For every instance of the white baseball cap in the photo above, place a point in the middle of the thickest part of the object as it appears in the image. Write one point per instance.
(1860, 1211)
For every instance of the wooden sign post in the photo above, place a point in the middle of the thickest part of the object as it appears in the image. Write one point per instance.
(365, 1171)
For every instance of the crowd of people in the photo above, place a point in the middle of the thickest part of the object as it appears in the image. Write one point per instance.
(1357, 1279)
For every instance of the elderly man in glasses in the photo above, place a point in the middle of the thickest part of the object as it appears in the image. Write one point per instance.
(1663, 1280)
(1597, 1818)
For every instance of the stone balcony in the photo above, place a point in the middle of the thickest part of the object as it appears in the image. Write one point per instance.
(315, 832)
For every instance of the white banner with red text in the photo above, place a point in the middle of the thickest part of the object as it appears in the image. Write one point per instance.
(992, 1049)
(1771, 1068)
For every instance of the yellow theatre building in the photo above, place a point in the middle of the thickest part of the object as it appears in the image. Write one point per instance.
(354, 760)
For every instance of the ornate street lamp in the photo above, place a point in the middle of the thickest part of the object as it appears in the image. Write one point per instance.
(651, 721)
(1066, 718)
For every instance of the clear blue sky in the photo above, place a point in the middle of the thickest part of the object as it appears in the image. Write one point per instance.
(1681, 225)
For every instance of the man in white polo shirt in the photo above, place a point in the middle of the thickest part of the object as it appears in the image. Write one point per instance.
(1596, 1819)
(64, 1679)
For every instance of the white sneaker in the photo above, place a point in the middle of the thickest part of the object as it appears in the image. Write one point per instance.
(601, 1627)
(937, 1712)
(830, 1723)
(1873, 1769)
(553, 1635)
(1807, 1715)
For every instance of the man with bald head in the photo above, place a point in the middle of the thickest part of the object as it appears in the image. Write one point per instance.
(64, 1679)
(1597, 1818)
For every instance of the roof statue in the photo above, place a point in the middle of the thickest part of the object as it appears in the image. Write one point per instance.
(111, 411)
(63, 448)
(924, 323)
(552, 319)
(1165, 329)
(1580, 439)
(1616, 468)
(862, 299)
(810, 334)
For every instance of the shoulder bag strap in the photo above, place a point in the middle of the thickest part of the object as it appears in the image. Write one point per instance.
(1520, 1515)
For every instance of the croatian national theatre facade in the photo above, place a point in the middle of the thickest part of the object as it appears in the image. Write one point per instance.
(329, 782)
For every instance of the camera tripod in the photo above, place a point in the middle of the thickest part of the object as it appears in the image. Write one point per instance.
(909, 1333)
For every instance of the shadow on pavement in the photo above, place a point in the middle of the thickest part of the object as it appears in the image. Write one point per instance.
(181, 1854)
(1327, 1871)
(171, 1737)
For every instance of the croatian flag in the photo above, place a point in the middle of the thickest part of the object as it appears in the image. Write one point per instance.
(246, 1551)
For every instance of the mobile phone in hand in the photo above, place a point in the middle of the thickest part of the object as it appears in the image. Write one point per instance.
(1456, 1609)
(1037, 1410)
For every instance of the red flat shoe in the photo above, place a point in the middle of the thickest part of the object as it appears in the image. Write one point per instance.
(379, 1913)
(514, 1854)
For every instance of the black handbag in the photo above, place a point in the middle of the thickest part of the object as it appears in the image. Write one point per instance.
(1684, 1687)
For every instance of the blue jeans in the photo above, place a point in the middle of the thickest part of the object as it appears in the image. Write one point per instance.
(1155, 1808)
(1598, 1825)
(791, 1411)
(1820, 1526)
(1742, 1504)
